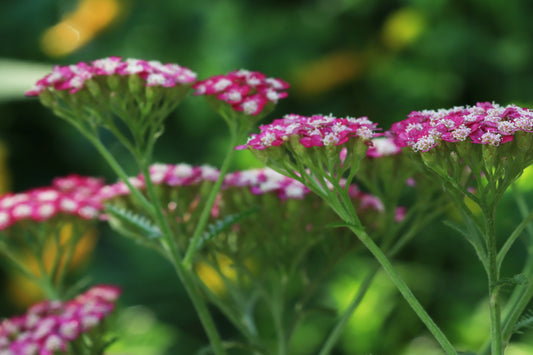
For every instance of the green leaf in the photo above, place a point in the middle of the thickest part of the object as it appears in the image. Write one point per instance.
(526, 321)
(128, 219)
(220, 225)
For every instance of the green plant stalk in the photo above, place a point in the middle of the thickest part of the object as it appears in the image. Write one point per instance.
(354, 225)
(43, 283)
(522, 294)
(157, 213)
(183, 273)
(116, 168)
(493, 274)
(202, 221)
(404, 290)
(341, 324)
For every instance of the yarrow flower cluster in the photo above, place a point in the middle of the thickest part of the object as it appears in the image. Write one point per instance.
(313, 131)
(266, 180)
(48, 326)
(72, 195)
(73, 78)
(485, 123)
(179, 175)
(246, 91)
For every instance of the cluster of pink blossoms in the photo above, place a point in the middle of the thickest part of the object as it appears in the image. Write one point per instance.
(485, 123)
(162, 174)
(48, 326)
(246, 91)
(72, 195)
(73, 77)
(263, 181)
(313, 131)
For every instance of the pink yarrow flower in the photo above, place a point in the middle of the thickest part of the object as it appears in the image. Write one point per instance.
(485, 123)
(313, 131)
(47, 327)
(72, 195)
(72, 78)
(246, 91)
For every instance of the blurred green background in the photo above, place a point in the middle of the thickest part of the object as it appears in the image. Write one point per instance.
(375, 58)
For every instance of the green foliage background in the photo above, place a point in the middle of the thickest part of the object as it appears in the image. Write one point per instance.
(375, 58)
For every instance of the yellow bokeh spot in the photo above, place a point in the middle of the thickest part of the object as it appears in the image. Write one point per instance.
(79, 27)
(217, 273)
(23, 291)
(327, 73)
(212, 278)
(402, 28)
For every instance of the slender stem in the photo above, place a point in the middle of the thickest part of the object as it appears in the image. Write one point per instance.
(513, 237)
(202, 221)
(404, 290)
(277, 309)
(183, 273)
(493, 273)
(118, 170)
(522, 294)
(339, 327)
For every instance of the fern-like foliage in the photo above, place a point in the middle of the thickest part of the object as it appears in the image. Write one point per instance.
(134, 222)
(526, 321)
(220, 225)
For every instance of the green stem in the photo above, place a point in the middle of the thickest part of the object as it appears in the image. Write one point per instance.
(493, 273)
(277, 308)
(118, 169)
(341, 324)
(404, 289)
(202, 221)
(522, 294)
(182, 272)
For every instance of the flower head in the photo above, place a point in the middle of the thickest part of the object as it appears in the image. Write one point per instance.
(485, 146)
(484, 123)
(302, 147)
(313, 131)
(48, 326)
(245, 91)
(73, 78)
(139, 94)
(69, 196)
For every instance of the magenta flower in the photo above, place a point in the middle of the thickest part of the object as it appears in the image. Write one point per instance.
(308, 149)
(313, 131)
(48, 326)
(179, 175)
(73, 195)
(484, 123)
(245, 91)
(73, 78)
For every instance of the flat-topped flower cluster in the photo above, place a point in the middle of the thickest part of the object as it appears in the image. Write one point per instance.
(72, 195)
(49, 326)
(484, 123)
(313, 131)
(178, 175)
(246, 91)
(72, 78)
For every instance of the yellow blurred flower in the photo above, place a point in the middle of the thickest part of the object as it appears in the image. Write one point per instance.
(79, 27)
(215, 276)
(327, 73)
(23, 291)
(402, 27)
